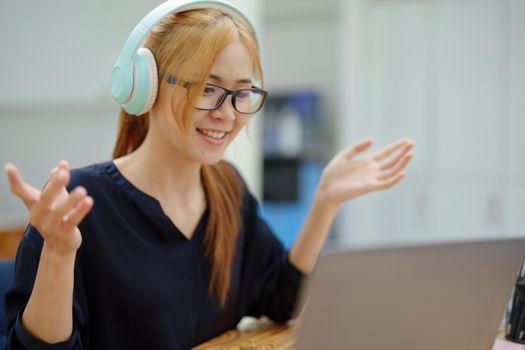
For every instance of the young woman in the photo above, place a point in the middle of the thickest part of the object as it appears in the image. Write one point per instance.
(163, 247)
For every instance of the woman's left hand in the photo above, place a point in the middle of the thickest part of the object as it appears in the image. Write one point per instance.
(346, 176)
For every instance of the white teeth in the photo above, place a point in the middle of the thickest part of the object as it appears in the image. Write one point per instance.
(213, 134)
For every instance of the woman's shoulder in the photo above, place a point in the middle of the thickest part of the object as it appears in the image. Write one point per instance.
(92, 177)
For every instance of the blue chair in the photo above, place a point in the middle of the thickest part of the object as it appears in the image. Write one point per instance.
(6, 278)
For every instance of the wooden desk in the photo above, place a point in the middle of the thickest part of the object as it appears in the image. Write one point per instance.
(270, 337)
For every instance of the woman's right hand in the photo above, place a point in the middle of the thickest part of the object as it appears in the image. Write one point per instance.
(54, 212)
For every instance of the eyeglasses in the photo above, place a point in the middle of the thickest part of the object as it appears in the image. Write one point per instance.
(244, 101)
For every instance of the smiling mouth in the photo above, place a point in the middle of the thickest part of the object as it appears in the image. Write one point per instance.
(214, 134)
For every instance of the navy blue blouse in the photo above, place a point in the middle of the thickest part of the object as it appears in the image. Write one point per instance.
(141, 284)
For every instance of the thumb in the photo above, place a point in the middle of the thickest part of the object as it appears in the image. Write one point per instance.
(18, 187)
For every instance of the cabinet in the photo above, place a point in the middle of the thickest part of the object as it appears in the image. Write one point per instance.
(451, 75)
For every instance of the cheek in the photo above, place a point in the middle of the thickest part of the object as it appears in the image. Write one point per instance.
(169, 126)
(239, 125)
(172, 132)
(240, 122)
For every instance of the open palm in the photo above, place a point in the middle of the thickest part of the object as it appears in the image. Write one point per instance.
(348, 176)
(54, 212)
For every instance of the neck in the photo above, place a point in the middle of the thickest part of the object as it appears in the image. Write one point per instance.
(160, 172)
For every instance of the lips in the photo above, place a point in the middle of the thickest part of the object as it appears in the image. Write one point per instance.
(214, 134)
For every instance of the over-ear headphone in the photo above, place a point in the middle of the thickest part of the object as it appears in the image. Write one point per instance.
(134, 77)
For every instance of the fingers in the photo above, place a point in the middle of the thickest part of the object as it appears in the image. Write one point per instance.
(359, 147)
(28, 194)
(78, 213)
(67, 203)
(43, 214)
(386, 184)
(397, 168)
(397, 164)
(51, 218)
(65, 213)
(64, 164)
(58, 180)
(391, 149)
(392, 162)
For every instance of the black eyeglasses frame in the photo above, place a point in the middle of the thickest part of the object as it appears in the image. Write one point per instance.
(233, 93)
(171, 79)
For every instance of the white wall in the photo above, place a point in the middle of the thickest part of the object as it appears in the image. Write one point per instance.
(246, 151)
(55, 100)
(450, 74)
(302, 55)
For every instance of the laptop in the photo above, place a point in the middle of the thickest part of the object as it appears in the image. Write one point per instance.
(447, 296)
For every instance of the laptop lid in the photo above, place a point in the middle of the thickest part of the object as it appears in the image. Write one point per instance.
(437, 296)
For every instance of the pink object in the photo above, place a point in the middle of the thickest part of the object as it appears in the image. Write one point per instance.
(501, 344)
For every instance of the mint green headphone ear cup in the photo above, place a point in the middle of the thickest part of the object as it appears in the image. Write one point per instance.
(145, 83)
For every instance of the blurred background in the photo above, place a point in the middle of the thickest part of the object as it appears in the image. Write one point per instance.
(450, 74)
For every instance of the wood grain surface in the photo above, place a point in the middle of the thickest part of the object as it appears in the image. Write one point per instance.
(272, 337)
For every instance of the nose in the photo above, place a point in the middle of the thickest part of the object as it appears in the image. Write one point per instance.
(225, 111)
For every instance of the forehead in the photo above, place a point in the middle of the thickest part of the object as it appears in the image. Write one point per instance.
(234, 63)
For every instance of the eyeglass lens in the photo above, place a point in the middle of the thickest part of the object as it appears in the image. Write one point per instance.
(244, 101)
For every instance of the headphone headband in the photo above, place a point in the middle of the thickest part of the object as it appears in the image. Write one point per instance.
(122, 72)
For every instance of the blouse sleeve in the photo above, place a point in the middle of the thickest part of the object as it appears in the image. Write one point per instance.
(26, 265)
(274, 282)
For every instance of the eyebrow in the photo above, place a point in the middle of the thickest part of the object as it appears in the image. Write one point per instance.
(239, 81)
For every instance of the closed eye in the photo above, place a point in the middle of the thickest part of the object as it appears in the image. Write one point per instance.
(243, 94)
(210, 90)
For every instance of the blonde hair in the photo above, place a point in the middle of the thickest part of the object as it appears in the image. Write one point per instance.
(185, 45)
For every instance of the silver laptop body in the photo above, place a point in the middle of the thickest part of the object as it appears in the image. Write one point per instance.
(448, 296)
